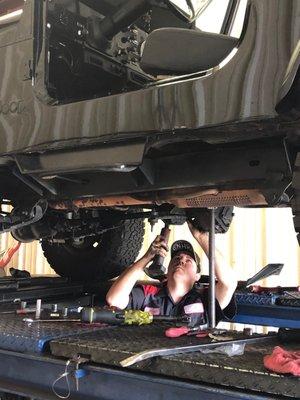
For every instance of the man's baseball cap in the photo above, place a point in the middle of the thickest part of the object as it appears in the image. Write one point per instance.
(183, 246)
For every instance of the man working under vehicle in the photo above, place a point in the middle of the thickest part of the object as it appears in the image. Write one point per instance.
(178, 295)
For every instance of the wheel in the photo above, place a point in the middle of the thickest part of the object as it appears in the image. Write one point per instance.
(103, 257)
(296, 196)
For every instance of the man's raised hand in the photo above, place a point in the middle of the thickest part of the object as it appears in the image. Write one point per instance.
(157, 247)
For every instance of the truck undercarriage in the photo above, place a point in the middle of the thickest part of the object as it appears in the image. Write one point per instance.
(99, 119)
(114, 112)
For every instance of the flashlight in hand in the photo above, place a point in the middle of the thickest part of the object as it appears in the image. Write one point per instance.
(157, 270)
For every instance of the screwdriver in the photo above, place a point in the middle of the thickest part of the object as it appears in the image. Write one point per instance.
(115, 317)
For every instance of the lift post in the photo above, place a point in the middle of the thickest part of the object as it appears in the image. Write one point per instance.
(212, 282)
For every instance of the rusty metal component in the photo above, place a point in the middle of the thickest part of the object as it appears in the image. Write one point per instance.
(223, 198)
(207, 198)
(96, 202)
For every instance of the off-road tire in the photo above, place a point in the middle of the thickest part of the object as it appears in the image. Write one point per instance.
(116, 250)
(296, 197)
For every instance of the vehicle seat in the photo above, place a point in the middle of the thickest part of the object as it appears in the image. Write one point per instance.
(177, 51)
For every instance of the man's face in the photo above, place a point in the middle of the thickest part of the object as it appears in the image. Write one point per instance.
(183, 267)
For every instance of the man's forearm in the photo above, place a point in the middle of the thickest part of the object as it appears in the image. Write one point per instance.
(118, 294)
(225, 275)
(223, 271)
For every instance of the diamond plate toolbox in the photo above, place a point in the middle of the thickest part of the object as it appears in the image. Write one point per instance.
(244, 372)
(17, 335)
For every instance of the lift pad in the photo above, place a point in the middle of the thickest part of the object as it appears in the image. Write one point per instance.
(110, 346)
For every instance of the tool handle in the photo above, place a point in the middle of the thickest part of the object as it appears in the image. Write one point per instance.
(286, 335)
(176, 332)
(276, 289)
(165, 232)
(157, 269)
(98, 314)
(268, 270)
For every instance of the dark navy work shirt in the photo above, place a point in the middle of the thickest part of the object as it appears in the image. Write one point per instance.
(158, 301)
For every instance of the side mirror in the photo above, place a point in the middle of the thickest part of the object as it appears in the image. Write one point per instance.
(176, 51)
(10, 11)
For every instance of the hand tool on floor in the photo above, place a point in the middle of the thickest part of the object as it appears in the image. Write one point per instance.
(265, 272)
(115, 317)
(175, 332)
(199, 331)
(276, 290)
(21, 311)
(287, 335)
(52, 320)
(144, 355)
(38, 309)
(127, 317)
(157, 270)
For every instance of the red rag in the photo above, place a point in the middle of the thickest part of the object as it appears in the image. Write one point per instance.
(283, 361)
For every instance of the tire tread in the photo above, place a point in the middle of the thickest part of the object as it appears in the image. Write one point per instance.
(117, 250)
